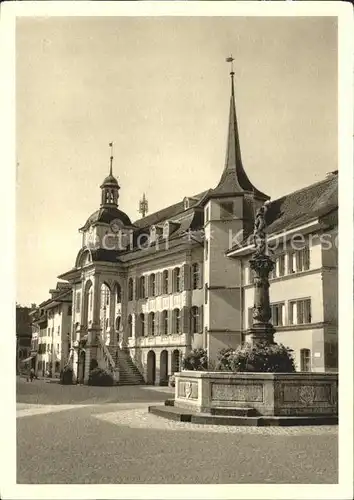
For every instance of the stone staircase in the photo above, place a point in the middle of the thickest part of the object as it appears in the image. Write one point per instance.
(128, 372)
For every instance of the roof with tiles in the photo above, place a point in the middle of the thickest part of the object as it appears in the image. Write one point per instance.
(301, 206)
(169, 213)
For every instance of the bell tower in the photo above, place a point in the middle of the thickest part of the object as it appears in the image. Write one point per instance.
(110, 187)
(228, 211)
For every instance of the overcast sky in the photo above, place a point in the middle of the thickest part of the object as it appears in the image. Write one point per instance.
(159, 88)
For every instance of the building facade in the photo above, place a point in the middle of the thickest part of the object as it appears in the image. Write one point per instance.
(51, 331)
(146, 293)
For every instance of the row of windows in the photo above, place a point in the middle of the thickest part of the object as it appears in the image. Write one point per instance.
(43, 348)
(50, 331)
(158, 323)
(299, 313)
(168, 281)
(296, 262)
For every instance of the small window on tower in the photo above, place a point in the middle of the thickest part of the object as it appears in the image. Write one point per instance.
(226, 209)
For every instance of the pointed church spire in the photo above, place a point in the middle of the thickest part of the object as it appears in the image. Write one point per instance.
(234, 178)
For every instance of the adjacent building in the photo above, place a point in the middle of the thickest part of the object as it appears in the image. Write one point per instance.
(51, 331)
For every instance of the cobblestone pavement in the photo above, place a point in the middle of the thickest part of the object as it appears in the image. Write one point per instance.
(115, 443)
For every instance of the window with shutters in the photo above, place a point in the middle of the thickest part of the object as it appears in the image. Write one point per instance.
(130, 289)
(151, 323)
(226, 209)
(299, 260)
(305, 360)
(142, 324)
(277, 314)
(300, 312)
(152, 285)
(130, 325)
(302, 259)
(195, 319)
(164, 320)
(176, 321)
(177, 280)
(195, 276)
(165, 282)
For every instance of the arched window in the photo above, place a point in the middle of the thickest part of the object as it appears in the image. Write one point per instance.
(195, 319)
(152, 285)
(142, 324)
(130, 325)
(305, 360)
(176, 280)
(164, 321)
(165, 282)
(118, 323)
(151, 323)
(176, 321)
(130, 289)
(142, 290)
(118, 293)
(195, 276)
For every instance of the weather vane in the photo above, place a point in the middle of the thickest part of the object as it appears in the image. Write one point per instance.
(111, 158)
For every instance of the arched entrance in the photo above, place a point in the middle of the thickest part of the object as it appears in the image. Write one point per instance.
(81, 368)
(175, 361)
(164, 368)
(151, 368)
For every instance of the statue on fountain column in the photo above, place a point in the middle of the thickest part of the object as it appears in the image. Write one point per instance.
(259, 234)
(261, 264)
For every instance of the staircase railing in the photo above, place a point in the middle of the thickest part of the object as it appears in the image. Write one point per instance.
(107, 354)
(70, 359)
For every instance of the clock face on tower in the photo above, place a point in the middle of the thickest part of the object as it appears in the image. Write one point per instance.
(116, 225)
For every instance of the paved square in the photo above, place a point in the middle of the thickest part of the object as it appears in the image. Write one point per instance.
(106, 436)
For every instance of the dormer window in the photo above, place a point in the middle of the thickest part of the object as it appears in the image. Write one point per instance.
(152, 234)
(166, 229)
(186, 203)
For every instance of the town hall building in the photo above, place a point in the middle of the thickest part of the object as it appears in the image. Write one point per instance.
(144, 293)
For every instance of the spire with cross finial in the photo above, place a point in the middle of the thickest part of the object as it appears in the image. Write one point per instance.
(143, 206)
